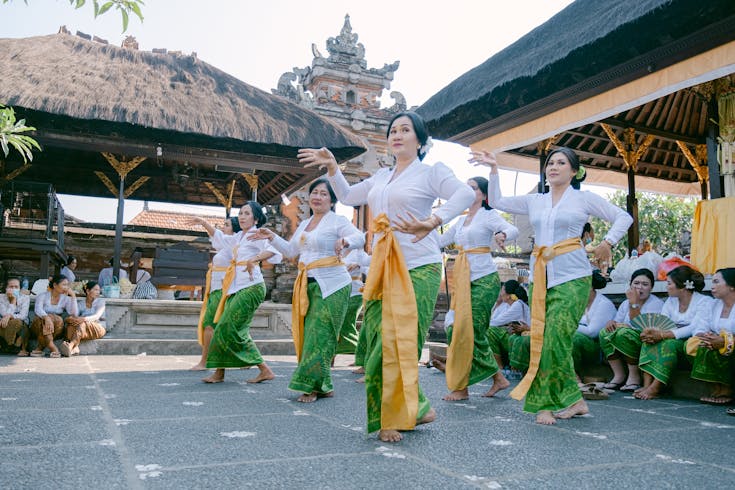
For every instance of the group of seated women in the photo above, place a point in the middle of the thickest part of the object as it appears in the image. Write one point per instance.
(58, 315)
(642, 354)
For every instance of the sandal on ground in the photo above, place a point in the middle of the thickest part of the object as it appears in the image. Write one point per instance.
(23, 353)
(36, 353)
(594, 393)
(629, 388)
(612, 386)
(65, 349)
(730, 411)
(55, 354)
(716, 400)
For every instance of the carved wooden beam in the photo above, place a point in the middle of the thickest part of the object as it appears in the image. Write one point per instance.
(135, 186)
(544, 146)
(702, 171)
(123, 166)
(220, 197)
(108, 183)
(628, 150)
(16, 172)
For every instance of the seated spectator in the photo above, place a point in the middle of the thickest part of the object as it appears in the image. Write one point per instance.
(51, 308)
(105, 277)
(512, 312)
(620, 343)
(86, 326)
(69, 268)
(14, 317)
(662, 349)
(144, 288)
(713, 342)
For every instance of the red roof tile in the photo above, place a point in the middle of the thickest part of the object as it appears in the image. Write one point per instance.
(172, 220)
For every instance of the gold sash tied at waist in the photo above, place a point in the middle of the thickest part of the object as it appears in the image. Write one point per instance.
(300, 299)
(460, 352)
(230, 273)
(207, 286)
(543, 255)
(388, 280)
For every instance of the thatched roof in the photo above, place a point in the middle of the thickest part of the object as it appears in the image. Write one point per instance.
(67, 75)
(577, 53)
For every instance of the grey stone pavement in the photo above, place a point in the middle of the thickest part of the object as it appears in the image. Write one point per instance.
(146, 422)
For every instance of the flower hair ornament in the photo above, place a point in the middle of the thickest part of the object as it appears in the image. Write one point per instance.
(689, 284)
(580, 173)
(424, 149)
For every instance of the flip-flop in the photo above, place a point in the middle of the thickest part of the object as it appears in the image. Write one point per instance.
(593, 393)
(36, 353)
(730, 411)
(612, 386)
(629, 388)
(55, 354)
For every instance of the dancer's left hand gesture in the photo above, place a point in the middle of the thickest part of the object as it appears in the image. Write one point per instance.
(603, 256)
(413, 226)
(484, 158)
(341, 245)
(318, 157)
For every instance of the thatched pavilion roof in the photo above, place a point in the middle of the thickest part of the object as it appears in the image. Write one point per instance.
(585, 50)
(88, 96)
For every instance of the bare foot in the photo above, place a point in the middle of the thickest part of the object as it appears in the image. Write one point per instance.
(360, 370)
(457, 395)
(439, 365)
(579, 408)
(23, 353)
(307, 397)
(545, 417)
(499, 383)
(646, 394)
(428, 418)
(217, 377)
(264, 375)
(360, 380)
(200, 366)
(387, 435)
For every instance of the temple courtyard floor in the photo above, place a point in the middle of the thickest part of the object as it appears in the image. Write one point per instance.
(147, 422)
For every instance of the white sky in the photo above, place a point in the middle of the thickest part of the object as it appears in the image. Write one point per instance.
(256, 41)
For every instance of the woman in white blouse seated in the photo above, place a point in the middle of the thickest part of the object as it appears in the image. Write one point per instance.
(69, 268)
(714, 341)
(322, 289)
(51, 308)
(88, 325)
(14, 317)
(620, 344)
(662, 349)
(509, 317)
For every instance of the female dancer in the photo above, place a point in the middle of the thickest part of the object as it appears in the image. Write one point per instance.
(713, 360)
(476, 287)
(557, 218)
(213, 287)
(322, 289)
(243, 289)
(403, 282)
(620, 343)
(662, 349)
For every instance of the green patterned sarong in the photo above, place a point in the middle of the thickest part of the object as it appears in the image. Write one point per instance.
(710, 366)
(450, 329)
(361, 346)
(660, 359)
(519, 352)
(425, 280)
(499, 341)
(322, 323)
(212, 304)
(231, 345)
(625, 340)
(484, 292)
(585, 351)
(555, 387)
(348, 336)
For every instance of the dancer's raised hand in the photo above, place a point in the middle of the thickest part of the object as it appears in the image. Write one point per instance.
(484, 158)
(318, 157)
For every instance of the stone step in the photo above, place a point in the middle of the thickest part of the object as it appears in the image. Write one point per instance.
(168, 346)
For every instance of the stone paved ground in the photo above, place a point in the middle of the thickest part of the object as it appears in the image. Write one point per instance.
(146, 422)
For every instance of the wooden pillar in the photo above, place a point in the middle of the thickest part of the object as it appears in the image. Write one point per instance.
(118, 229)
(634, 231)
(715, 179)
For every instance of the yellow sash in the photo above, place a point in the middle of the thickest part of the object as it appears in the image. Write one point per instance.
(300, 299)
(543, 256)
(200, 327)
(389, 281)
(459, 355)
(230, 273)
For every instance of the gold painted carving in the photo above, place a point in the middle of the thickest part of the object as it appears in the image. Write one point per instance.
(627, 148)
(108, 183)
(123, 166)
(135, 186)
